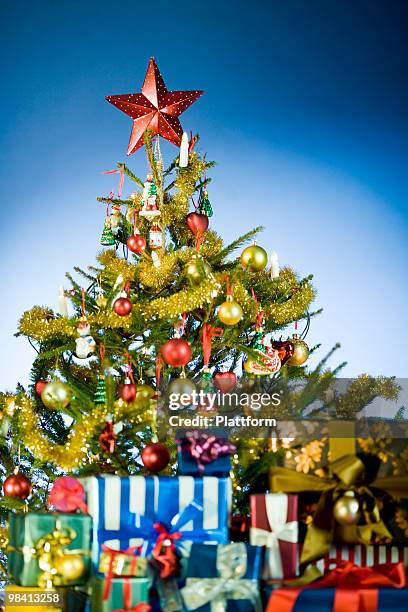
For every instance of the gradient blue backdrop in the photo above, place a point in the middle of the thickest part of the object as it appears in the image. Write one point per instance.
(305, 110)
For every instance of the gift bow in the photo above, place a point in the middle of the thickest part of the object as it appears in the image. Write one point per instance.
(346, 474)
(231, 566)
(167, 558)
(206, 448)
(276, 512)
(356, 587)
(148, 529)
(67, 495)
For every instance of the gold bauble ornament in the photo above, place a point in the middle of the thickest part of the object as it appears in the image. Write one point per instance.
(69, 566)
(144, 392)
(182, 386)
(101, 300)
(254, 258)
(197, 269)
(300, 352)
(56, 395)
(346, 510)
(230, 312)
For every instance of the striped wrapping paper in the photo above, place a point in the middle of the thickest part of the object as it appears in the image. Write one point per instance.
(364, 556)
(120, 506)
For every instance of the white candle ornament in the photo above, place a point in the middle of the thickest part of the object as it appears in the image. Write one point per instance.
(274, 270)
(63, 303)
(183, 163)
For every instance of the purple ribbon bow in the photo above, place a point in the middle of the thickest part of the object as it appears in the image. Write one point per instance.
(205, 448)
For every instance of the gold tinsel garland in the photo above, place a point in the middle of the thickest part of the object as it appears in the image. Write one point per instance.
(159, 277)
(361, 391)
(183, 301)
(114, 266)
(41, 324)
(177, 206)
(76, 450)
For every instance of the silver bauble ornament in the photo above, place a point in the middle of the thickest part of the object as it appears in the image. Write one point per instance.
(182, 386)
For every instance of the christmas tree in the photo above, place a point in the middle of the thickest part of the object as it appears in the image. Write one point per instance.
(166, 303)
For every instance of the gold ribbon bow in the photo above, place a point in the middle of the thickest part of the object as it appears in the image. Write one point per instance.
(231, 566)
(48, 550)
(346, 474)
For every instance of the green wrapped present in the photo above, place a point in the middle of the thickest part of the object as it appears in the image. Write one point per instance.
(120, 594)
(122, 562)
(49, 549)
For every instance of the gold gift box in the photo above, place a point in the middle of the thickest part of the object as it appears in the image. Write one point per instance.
(24, 599)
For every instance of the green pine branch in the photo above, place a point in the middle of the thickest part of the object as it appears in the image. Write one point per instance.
(235, 245)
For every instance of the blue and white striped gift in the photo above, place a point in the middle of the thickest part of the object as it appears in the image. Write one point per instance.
(122, 507)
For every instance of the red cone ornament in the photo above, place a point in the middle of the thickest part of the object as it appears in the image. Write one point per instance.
(197, 223)
(155, 457)
(176, 352)
(122, 306)
(39, 386)
(17, 485)
(136, 243)
(225, 381)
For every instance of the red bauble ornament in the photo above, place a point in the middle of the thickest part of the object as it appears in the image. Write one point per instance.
(285, 349)
(39, 386)
(155, 108)
(136, 243)
(155, 457)
(225, 381)
(197, 223)
(122, 306)
(176, 352)
(128, 392)
(17, 485)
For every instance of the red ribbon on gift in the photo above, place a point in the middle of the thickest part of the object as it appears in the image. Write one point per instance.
(67, 495)
(207, 334)
(127, 600)
(356, 587)
(168, 559)
(112, 554)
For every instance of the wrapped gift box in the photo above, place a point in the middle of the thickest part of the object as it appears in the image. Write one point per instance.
(274, 524)
(21, 599)
(26, 529)
(124, 510)
(225, 575)
(122, 562)
(188, 465)
(354, 600)
(364, 556)
(124, 594)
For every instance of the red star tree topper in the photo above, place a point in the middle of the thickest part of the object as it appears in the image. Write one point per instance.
(155, 108)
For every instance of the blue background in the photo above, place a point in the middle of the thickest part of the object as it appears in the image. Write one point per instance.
(305, 111)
